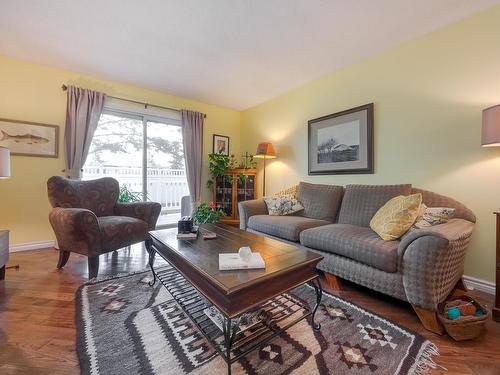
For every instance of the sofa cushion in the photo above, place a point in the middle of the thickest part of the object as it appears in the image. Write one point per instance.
(320, 201)
(395, 217)
(361, 202)
(430, 216)
(121, 231)
(287, 227)
(282, 205)
(354, 242)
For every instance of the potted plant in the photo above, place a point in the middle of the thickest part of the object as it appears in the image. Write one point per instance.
(208, 213)
(218, 166)
(128, 196)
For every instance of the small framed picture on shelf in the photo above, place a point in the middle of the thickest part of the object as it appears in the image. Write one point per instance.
(221, 144)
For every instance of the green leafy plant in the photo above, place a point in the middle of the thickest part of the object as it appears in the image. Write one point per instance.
(241, 178)
(247, 161)
(128, 196)
(220, 164)
(208, 213)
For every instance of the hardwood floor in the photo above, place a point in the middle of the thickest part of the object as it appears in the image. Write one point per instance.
(37, 328)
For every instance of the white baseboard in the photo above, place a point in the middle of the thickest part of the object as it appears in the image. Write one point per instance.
(479, 284)
(31, 246)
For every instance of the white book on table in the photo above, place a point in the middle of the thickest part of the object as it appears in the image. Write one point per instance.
(187, 236)
(235, 262)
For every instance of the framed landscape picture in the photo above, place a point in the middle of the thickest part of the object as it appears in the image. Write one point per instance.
(342, 143)
(221, 144)
(29, 138)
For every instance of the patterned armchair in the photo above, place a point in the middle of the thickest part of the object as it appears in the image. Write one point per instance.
(88, 220)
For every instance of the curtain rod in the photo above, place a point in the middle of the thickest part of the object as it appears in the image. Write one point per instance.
(146, 105)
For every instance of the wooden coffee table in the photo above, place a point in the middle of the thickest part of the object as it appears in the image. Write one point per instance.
(195, 263)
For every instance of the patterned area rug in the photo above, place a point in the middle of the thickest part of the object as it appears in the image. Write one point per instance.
(125, 326)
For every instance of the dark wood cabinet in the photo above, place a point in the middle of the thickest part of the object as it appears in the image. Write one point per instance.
(496, 309)
(237, 186)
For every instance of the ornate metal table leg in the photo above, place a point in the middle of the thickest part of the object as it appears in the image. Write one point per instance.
(152, 253)
(319, 293)
(229, 334)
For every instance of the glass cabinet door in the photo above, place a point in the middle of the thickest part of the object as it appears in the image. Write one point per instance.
(224, 194)
(241, 186)
(249, 191)
(245, 188)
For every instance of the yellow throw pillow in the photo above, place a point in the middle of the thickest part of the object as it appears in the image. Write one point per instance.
(293, 191)
(395, 217)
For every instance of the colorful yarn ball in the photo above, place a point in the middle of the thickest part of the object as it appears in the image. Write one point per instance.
(453, 313)
(467, 308)
(479, 313)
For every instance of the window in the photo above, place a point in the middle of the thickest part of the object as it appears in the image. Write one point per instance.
(145, 154)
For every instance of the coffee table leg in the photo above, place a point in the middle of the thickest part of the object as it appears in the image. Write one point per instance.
(152, 254)
(229, 333)
(319, 293)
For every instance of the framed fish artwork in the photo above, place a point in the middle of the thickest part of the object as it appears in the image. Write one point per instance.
(29, 138)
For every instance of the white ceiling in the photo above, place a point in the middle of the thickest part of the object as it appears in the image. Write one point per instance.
(234, 53)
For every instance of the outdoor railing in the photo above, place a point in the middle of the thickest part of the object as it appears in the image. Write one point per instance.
(164, 185)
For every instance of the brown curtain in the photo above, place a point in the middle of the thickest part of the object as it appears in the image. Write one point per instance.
(192, 138)
(83, 110)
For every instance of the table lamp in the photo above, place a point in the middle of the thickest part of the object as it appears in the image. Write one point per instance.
(490, 134)
(265, 150)
(4, 162)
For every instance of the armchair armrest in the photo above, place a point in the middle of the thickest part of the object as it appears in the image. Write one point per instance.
(147, 211)
(76, 230)
(432, 261)
(250, 208)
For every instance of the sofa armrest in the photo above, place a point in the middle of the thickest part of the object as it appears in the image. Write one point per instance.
(76, 230)
(432, 261)
(250, 208)
(147, 211)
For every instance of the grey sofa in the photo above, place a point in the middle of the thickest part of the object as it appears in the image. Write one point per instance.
(422, 267)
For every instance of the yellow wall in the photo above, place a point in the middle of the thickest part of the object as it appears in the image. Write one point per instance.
(33, 92)
(428, 97)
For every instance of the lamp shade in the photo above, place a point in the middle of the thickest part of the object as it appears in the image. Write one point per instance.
(4, 162)
(490, 134)
(265, 150)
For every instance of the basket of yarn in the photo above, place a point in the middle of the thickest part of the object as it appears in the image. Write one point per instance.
(463, 317)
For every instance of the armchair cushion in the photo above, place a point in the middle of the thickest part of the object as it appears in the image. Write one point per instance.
(146, 211)
(76, 230)
(98, 196)
(121, 231)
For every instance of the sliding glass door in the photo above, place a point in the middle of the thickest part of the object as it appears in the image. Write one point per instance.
(145, 155)
(166, 175)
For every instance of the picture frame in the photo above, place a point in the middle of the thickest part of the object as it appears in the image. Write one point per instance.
(220, 144)
(342, 143)
(25, 138)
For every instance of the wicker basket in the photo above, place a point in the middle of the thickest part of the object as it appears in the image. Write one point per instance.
(465, 327)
